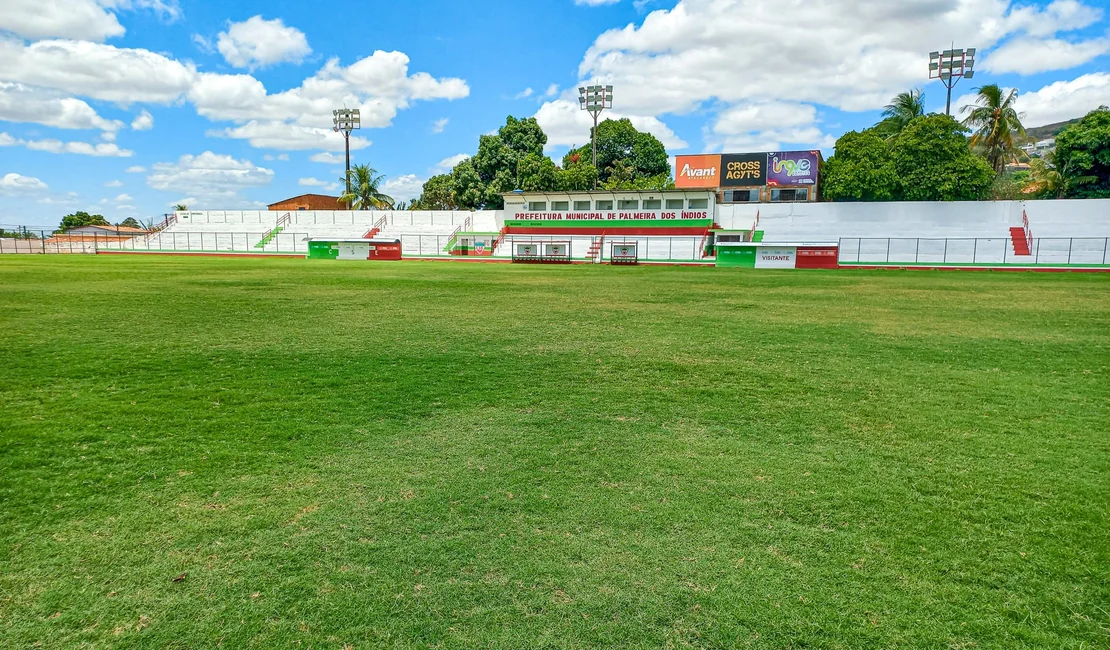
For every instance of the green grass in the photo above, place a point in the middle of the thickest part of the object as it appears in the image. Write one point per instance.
(452, 455)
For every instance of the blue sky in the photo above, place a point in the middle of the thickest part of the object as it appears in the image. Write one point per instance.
(125, 107)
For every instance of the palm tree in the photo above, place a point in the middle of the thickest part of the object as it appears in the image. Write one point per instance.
(995, 122)
(903, 109)
(364, 194)
(180, 207)
(1044, 179)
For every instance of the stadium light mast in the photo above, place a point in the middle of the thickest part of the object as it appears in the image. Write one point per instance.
(595, 100)
(950, 66)
(345, 121)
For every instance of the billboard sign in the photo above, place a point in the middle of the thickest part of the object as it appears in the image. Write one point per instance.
(743, 170)
(792, 168)
(697, 172)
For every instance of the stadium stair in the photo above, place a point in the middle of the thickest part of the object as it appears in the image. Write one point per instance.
(268, 237)
(595, 249)
(1020, 241)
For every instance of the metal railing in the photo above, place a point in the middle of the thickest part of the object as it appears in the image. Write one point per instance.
(984, 251)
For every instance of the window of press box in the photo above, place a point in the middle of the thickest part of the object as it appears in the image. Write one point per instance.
(626, 204)
(674, 204)
(742, 196)
(581, 205)
(604, 205)
(789, 196)
(723, 239)
(699, 204)
(560, 206)
(537, 206)
(652, 204)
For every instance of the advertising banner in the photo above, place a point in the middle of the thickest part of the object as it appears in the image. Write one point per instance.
(775, 258)
(697, 172)
(624, 215)
(792, 168)
(744, 170)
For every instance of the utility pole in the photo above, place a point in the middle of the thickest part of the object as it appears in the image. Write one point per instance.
(595, 100)
(950, 66)
(345, 121)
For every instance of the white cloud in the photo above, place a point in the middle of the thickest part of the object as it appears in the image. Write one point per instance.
(143, 122)
(447, 164)
(214, 178)
(1059, 16)
(13, 183)
(404, 188)
(716, 55)
(745, 118)
(35, 19)
(551, 91)
(315, 182)
(57, 146)
(282, 135)
(280, 156)
(1060, 101)
(21, 103)
(439, 125)
(123, 198)
(136, 169)
(595, 3)
(329, 158)
(1032, 55)
(524, 94)
(119, 75)
(256, 43)
(115, 183)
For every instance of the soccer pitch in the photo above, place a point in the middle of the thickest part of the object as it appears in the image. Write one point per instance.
(280, 453)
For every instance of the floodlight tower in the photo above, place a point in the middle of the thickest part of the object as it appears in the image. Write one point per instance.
(594, 100)
(345, 121)
(950, 66)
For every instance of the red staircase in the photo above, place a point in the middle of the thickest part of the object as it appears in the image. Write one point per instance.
(1022, 238)
(595, 248)
(1021, 244)
(376, 229)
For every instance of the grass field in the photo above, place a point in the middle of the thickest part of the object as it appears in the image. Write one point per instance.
(448, 455)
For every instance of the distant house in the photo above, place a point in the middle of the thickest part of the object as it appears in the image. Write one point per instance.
(309, 202)
(96, 234)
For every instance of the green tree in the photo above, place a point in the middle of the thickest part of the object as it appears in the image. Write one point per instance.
(78, 219)
(861, 169)
(995, 122)
(437, 194)
(536, 173)
(130, 222)
(180, 207)
(903, 109)
(1045, 180)
(365, 189)
(618, 140)
(1083, 156)
(934, 163)
(576, 175)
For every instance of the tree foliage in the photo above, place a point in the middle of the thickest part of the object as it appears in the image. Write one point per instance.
(862, 169)
(930, 160)
(131, 222)
(79, 219)
(1083, 156)
(903, 109)
(619, 141)
(513, 159)
(995, 122)
(365, 191)
(934, 162)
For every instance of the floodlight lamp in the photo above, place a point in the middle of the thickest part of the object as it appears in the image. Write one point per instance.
(934, 55)
(970, 51)
(970, 74)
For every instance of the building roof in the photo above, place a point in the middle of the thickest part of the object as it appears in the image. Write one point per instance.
(305, 196)
(111, 229)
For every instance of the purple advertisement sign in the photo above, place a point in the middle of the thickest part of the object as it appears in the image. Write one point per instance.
(792, 168)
